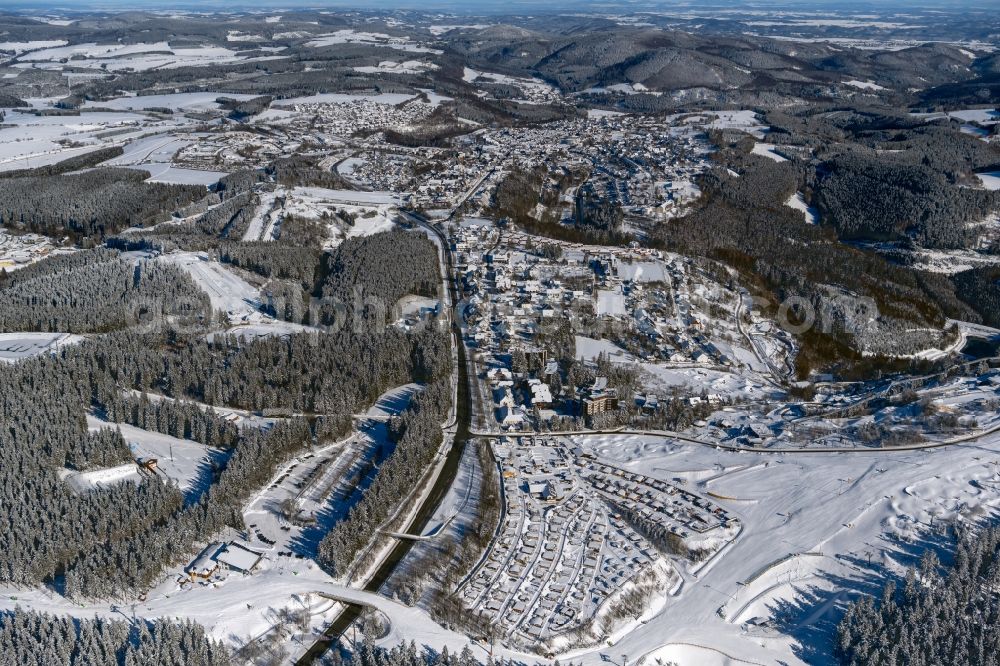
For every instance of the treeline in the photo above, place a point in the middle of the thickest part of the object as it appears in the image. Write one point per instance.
(304, 171)
(598, 212)
(417, 435)
(89, 205)
(375, 271)
(230, 219)
(980, 288)
(274, 259)
(95, 291)
(11, 102)
(321, 373)
(436, 130)
(875, 197)
(404, 654)
(241, 110)
(77, 163)
(176, 418)
(28, 638)
(517, 195)
(226, 217)
(942, 616)
(53, 264)
(101, 448)
(596, 221)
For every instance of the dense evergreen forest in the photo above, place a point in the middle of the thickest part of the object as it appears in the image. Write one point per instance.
(275, 259)
(89, 205)
(376, 271)
(595, 219)
(77, 163)
(883, 176)
(36, 639)
(48, 529)
(167, 381)
(405, 654)
(980, 288)
(943, 616)
(875, 197)
(95, 291)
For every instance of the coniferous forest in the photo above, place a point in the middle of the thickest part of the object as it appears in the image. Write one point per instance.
(942, 615)
(36, 639)
(168, 381)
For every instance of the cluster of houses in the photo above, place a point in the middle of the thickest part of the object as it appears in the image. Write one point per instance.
(645, 167)
(19, 250)
(561, 555)
(640, 163)
(231, 149)
(679, 511)
(343, 118)
(517, 291)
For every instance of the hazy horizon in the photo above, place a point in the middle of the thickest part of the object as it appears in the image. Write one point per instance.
(516, 6)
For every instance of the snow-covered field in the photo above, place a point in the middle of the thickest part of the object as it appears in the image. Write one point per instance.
(643, 271)
(28, 141)
(227, 291)
(610, 302)
(743, 120)
(333, 197)
(17, 346)
(137, 57)
(990, 180)
(663, 378)
(768, 150)
(193, 101)
(393, 401)
(334, 98)
(864, 85)
(412, 305)
(181, 461)
(532, 89)
(150, 142)
(589, 349)
(798, 202)
(350, 36)
(83, 482)
(981, 116)
(168, 173)
(374, 211)
(394, 67)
